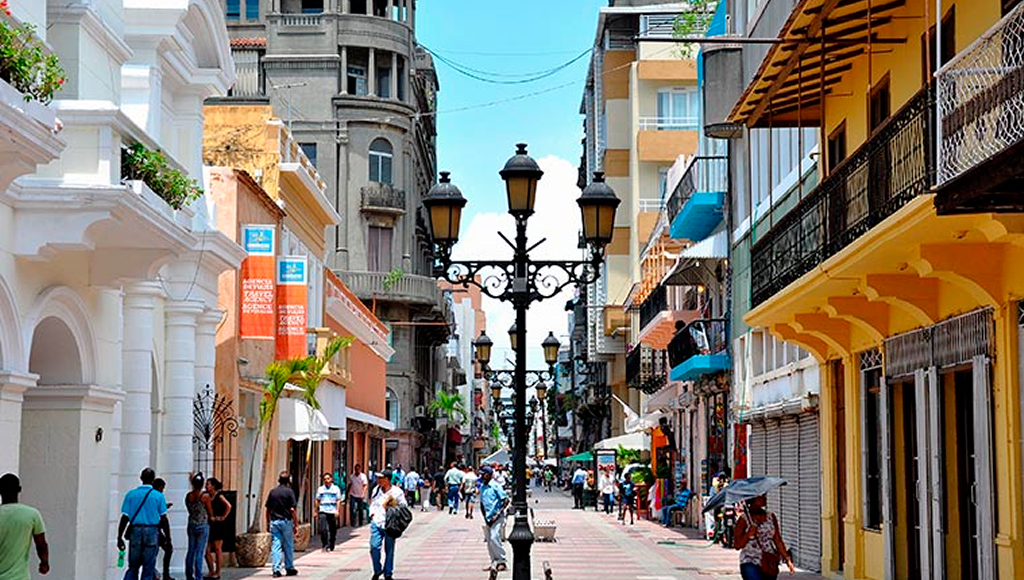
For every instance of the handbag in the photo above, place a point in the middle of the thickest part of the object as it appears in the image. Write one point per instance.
(128, 528)
(769, 560)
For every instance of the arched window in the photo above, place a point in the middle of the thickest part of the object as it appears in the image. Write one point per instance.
(381, 156)
(391, 406)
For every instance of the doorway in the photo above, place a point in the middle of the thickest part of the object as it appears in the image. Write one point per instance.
(906, 458)
(962, 509)
(839, 389)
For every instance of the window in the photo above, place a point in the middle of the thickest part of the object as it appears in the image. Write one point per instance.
(233, 11)
(312, 6)
(678, 109)
(309, 149)
(879, 104)
(252, 9)
(401, 78)
(357, 6)
(380, 8)
(357, 80)
(391, 406)
(871, 416)
(378, 249)
(662, 183)
(380, 161)
(836, 147)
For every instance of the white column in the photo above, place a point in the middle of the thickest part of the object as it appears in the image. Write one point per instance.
(206, 358)
(344, 69)
(13, 385)
(371, 73)
(394, 76)
(140, 299)
(179, 389)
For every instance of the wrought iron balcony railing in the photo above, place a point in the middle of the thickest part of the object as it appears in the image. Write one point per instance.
(710, 173)
(891, 168)
(382, 197)
(665, 298)
(646, 369)
(981, 98)
(706, 336)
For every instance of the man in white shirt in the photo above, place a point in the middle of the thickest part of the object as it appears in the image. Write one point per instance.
(579, 477)
(357, 496)
(384, 496)
(411, 484)
(499, 475)
(328, 496)
(453, 479)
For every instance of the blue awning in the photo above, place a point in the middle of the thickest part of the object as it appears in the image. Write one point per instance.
(699, 216)
(701, 364)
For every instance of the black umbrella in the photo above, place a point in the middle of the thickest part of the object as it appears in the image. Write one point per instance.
(742, 490)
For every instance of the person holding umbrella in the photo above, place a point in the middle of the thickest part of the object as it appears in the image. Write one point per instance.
(759, 540)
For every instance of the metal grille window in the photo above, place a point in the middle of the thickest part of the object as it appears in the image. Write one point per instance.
(872, 429)
(381, 157)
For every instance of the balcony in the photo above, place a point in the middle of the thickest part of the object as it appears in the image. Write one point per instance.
(980, 98)
(646, 369)
(664, 140)
(659, 313)
(698, 349)
(885, 173)
(695, 206)
(382, 198)
(408, 288)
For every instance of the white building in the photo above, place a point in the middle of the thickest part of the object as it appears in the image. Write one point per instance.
(107, 294)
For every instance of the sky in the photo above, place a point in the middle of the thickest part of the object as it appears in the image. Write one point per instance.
(512, 38)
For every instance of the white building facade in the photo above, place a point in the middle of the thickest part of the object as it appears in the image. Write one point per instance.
(107, 294)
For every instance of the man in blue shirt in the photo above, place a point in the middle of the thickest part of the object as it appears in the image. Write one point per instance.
(145, 510)
(579, 477)
(493, 501)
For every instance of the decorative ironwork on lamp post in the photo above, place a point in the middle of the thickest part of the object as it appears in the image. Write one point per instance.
(520, 281)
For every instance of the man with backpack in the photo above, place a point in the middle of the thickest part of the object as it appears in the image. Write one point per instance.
(384, 496)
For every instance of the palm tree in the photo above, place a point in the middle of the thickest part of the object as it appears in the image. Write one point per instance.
(279, 374)
(451, 407)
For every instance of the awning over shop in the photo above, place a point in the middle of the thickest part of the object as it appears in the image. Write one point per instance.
(663, 399)
(500, 456)
(714, 246)
(631, 441)
(585, 456)
(360, 416)
(300, 422)
(332, 403)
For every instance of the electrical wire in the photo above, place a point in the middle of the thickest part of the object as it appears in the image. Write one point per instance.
(504, 77)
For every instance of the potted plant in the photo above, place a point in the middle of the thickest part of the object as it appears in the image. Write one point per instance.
(252, 548)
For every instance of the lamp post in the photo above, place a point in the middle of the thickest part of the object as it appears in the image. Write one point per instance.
(521, 282)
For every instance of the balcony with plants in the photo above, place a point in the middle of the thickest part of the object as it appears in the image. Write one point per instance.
(695, 205)
(699, 348)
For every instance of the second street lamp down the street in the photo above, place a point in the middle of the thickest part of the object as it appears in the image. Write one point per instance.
(520, 281)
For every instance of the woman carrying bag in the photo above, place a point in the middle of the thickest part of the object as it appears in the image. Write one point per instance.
(759, 540)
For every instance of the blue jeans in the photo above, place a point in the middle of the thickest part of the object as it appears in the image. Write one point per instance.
(753, 572)
(282, 545)
(143, 546)
(378, 537)
(198, 534)
(453, 497)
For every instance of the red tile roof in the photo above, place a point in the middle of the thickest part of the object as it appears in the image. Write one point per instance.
(250, 42)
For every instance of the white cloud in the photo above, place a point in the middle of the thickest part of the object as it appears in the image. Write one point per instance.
(557, 220)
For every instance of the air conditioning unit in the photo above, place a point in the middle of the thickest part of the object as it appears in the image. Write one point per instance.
(419, 411)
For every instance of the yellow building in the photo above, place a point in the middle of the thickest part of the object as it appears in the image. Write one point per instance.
(914, 312)
(641, 107)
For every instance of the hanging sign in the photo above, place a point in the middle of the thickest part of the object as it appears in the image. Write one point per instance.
(257, 295)
(292, 279)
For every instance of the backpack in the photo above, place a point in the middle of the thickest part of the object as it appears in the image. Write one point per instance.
(397, 520)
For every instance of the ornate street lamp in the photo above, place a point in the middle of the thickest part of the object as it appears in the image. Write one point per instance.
(483, 346)
(551, 346)
(521, 282)
(513, 336)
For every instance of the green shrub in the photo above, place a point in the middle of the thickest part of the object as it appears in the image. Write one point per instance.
(141, 163)
(24, 61)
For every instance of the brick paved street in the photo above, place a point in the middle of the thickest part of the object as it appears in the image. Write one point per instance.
(589, 546)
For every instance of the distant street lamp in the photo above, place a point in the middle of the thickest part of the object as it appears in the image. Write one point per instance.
(520, 281)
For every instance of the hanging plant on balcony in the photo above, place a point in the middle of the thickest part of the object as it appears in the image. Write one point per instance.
(151, 167)
(24, 61)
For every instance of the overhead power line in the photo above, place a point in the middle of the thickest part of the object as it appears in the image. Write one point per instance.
(502, 77)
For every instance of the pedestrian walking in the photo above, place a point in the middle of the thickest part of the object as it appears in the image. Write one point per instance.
(411, 484)
(453, 479)
(20, 526)
(439, 489)
(282, 522)
(143, 517)
(499, 475)
(579, 478)
(221, 510)
(357, 496)
(606, 485)
(328, 496)
(199, 506)
(493, 501)
(759, 540)
(469, 481)
(384, 496)
(164, 540)
(549, 478)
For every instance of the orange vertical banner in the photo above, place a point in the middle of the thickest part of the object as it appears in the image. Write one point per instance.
(258, 293)
(292, 279)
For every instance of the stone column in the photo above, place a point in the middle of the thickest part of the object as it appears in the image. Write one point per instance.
(346, 6)
(140, 299)
(179, 389)
(371, 73)
(394, 76)
(206, 359)
(412, 14)
(13, 385)
(344, 68)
